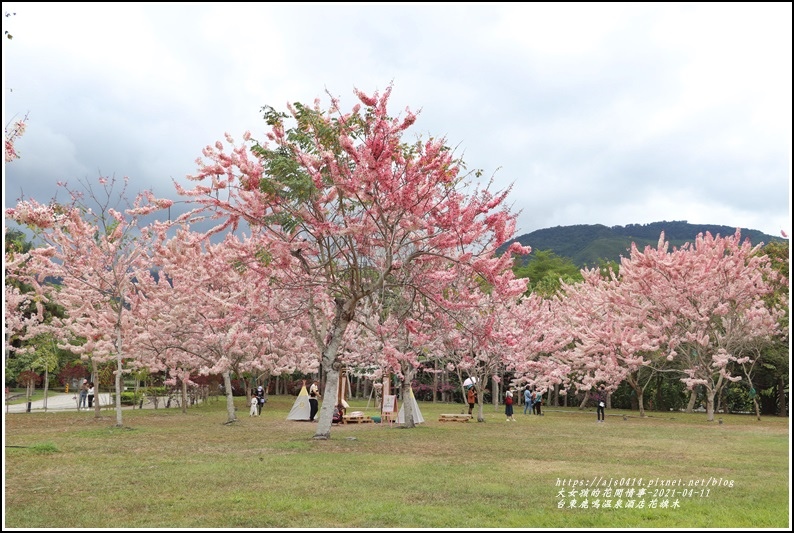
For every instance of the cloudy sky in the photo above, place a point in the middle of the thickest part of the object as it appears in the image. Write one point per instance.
(608, 114)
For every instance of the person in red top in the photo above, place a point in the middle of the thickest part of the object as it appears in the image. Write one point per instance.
(509, 406)
(471, 397)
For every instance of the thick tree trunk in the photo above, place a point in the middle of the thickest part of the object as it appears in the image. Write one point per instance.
(710, 393)
(782, 406)
(342, 317)
(326, 413)
(640, 402)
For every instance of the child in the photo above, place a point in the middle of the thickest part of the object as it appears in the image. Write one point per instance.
(254, 406)
(339, 411)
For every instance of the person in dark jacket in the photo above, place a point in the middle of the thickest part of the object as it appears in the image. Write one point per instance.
(601, 403)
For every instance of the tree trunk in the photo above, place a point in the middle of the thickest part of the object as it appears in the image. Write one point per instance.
(690, 406)
(659, 380)
(326, 413)
(184, 395)
(638, 392)
(343, 315)
(480, 394)
(408, 408)
(781, 397)
(710, 393)
(496, 393)
(584, 400)
(435, 380)
(46, 385)
(640, 401)
(97, 412)
(227, 384)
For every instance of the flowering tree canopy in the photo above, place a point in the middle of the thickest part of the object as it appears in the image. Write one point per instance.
(348, 208)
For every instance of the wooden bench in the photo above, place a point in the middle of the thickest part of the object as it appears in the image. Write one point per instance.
(355, 419)
(454, 418)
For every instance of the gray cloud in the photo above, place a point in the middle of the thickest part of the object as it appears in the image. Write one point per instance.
(598, 113)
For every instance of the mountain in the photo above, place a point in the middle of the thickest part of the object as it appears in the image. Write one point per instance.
(589, 244)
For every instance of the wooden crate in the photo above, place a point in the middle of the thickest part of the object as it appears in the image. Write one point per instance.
(355, 419)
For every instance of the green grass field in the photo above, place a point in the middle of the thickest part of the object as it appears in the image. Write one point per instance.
(166, 469)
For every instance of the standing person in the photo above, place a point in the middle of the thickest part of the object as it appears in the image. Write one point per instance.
(90, 394)
(314, 394)
(509, 405)
(527, 399)
(471, 398)
(83, 394)
(601, 399)
(538, 402)
(260, 399)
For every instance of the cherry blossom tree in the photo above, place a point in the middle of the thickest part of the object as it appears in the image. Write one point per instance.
(95, 255)
(614, 340)
(542, 334)
(210, 313)
(707, 301)
(345, 205)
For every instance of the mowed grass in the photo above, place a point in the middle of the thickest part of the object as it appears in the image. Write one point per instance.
(168, 469)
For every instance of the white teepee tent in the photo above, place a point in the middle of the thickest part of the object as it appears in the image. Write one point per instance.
(300, 409)
(418, 418)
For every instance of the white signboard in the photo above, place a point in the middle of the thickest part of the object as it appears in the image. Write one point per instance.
(389, 403)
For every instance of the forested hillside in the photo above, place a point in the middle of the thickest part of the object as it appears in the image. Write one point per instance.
(589, 244)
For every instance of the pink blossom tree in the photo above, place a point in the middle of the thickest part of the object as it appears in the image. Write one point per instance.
(205, 314)
(345, 205)
(542, 334)
(95, 255)
(707, 302)
(614, 339)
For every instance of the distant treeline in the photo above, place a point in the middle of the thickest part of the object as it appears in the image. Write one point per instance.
(591, 244)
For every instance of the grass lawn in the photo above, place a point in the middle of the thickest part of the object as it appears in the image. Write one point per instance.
(168, 469)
